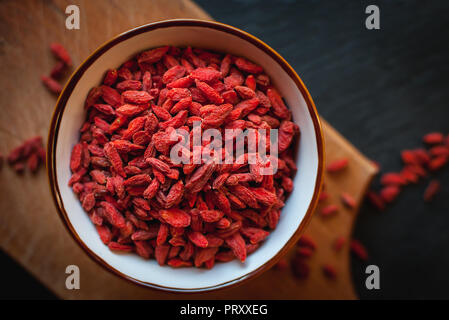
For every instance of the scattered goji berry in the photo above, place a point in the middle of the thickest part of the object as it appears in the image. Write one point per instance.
(61, 53)
(392, 178)
(348, 200)
(329, 210)
(389, 193)
(30, 154)
(339, 243)
(282, 264)
(432, 189)
(433, 138)
(304, 251)
(359, 250)
(299, 268)
(330, 271)
(337, 165)
(51, 84)
(307, 241)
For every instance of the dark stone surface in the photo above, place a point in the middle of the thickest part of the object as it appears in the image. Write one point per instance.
(382, 89)
(16, 283)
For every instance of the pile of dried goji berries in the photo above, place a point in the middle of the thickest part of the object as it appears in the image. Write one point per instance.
(417, 165)
(30, 154)
(180, 214)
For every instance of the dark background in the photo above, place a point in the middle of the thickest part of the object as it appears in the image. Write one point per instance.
(383, 90)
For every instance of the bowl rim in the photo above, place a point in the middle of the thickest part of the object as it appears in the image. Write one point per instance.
(77, 75)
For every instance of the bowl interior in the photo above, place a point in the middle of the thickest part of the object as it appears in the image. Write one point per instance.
(149, 272)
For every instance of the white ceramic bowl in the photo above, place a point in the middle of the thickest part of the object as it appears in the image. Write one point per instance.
(69, 116)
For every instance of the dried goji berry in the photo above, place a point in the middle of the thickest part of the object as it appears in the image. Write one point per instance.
(376, 200)
(300, 269)
(307, 241)
(175, 217)
(329, 210)
(337, 165)
(247, 66)
(51, 84)
(339, 243)
(152, 56)
(61, 53)
(437, 163)
(392, 179)
(359, 250)
(348, 200)
(58, 70)
(389, 193)
(433, 138)
(432, 189)
(329, 271)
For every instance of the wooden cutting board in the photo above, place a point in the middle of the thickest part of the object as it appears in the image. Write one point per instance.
(31, 231)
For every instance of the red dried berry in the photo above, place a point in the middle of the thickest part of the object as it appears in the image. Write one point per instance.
(339, 243)
(337, 165)
(389, 193)
(392, 179)
(432, 189)
(279, 108)
(120, 247)
(198, 239)
(300, 269)
(410, 157)
(210, 93)
(237, 245)
(161, 253)
(433, 138)
(51, 84)
(437, 163)
(58, 70)
(409, 175)
(110, 77)
(282, 264)
(152, 56)
(104, 233)
(376, 200)
(114, 158)
(348, 200)
(247, 66)
(304, 252)
(61, 53)
(205, 74)
(439, 151)
(307, 241)
(330, 271)
(329, 210)
(323, 196)
(113, 215)
(359, 250)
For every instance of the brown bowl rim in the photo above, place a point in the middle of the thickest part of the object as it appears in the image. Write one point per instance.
(76, 76)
